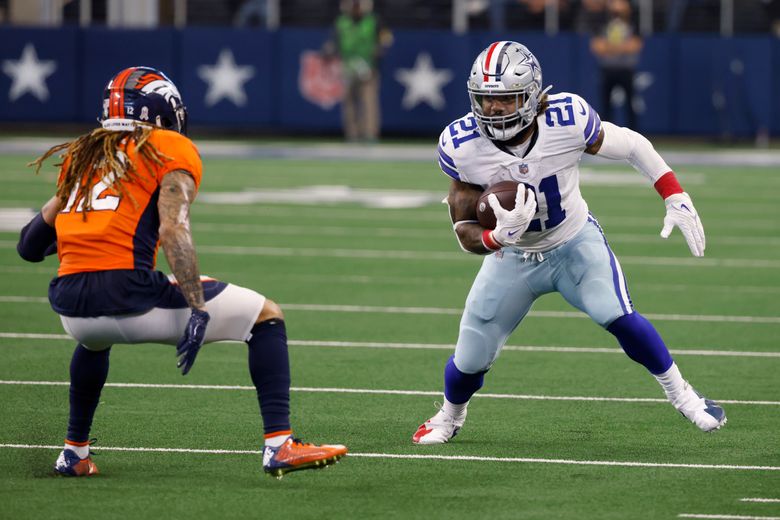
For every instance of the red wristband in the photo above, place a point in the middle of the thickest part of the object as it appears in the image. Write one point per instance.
(489, 242)
(667, 185)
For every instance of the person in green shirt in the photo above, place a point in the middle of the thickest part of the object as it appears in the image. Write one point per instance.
(359, 41)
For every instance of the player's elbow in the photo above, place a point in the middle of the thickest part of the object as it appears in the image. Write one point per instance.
(28, 255)
(36, 240)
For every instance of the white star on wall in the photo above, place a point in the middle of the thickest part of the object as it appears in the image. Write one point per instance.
(226, 79)
(28, 74)
(423, 83)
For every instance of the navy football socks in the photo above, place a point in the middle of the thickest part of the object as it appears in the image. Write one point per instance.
(641, 342)
(88, 373)
(269, 366)
(458, 386)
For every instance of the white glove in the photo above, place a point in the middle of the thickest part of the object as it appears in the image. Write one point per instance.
(510, 225)
(681, 213)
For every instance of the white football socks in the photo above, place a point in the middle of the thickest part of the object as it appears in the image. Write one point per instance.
(456, 411)
(81, 451)
(672, 382)
(277, 440)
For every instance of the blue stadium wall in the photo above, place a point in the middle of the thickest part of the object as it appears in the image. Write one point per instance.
(687, 84)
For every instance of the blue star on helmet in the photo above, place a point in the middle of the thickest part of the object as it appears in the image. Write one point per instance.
(534, 66)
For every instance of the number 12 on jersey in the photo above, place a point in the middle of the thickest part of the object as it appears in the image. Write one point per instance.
(555, 213)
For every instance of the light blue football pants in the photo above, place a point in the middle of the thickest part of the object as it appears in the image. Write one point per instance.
(584, 270)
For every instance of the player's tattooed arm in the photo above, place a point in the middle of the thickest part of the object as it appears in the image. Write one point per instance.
(462, 201)
(177, 191)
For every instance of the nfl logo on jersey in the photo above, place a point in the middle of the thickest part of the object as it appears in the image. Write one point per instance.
(523, 168)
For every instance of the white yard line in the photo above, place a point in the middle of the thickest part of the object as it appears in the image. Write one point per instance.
(315, 307)
(761, 500)
(727, 517)
(417, 456)
(540, 314)
(399, 232)
(389, 254)
(446, 346)
(416, 281)
(459, 256)
(371, 391)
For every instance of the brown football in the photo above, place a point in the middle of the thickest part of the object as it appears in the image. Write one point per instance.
(505, 191)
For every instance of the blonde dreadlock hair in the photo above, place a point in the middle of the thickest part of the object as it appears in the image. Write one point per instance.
(97, 155)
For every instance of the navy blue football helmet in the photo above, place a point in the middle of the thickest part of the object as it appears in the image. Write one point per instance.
(143, 94)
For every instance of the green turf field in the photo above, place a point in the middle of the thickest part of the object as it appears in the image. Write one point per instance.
(566, 426)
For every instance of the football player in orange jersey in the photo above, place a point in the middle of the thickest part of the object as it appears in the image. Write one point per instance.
(124, 189)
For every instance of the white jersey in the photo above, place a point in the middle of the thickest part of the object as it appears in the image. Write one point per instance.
(550, 166)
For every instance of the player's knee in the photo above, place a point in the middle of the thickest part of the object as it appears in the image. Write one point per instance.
(475, 351)
(602, 310)
(96, 347)
(271, 311)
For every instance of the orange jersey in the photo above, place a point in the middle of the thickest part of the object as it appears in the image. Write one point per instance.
(119, 233)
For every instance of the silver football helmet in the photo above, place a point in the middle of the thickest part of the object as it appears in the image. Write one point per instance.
(506, 68)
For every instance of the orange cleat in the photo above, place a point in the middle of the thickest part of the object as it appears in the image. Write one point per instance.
(70, 465)
(295, 455)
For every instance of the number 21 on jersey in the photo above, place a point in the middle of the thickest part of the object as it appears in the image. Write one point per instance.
(555, 213)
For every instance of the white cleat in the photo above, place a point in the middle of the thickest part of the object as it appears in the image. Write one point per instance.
(438, 429)
(702, 412)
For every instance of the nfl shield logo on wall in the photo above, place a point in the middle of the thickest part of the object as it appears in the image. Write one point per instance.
(320, 80)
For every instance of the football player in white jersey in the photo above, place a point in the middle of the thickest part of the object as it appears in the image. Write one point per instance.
(549, 242)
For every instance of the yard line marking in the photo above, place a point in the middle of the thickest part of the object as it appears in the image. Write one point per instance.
(417, 456)
(447, 346)
(540, 314)
(728, 517)
(763, 500)
(24, 299)
(371, 391)
(459, 256)
(32, 335)
(390, 254)
(314, 307)
(520, 348)
(416, 281)
(399, 232)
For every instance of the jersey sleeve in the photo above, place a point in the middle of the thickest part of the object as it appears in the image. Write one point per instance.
(586, 119)
(446, 158)
(454, 148)
(181, 152)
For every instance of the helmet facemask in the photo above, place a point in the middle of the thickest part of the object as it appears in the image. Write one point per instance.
(507, 125)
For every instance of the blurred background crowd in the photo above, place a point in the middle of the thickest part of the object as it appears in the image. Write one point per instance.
(738, 16)
(377, 68)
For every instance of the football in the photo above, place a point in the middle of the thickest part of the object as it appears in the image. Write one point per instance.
(505, 191)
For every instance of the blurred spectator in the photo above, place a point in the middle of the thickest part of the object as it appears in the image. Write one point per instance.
(526, 14)
(252, 13)
(772, 8)
(617, 49)
(590, 16)
(359, 40)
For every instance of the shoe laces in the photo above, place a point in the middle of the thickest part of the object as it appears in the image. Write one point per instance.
(299, 443)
